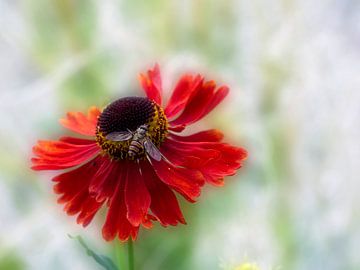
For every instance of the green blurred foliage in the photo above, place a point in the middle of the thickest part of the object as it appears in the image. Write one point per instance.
(205, 28)
(11, 262)
(62, 31)
(61, 28)
(68, 29)
(87, 86)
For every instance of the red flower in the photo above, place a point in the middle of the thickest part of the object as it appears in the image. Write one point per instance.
(133, 161)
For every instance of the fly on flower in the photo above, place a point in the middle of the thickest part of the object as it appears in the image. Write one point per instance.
(134, 159)
(139, 142)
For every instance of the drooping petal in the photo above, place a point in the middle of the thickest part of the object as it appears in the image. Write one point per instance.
(186, 182)
(164, 204)
(152, 85)
(194, 158)
(105, 179)
(55, 155)
(116, 221)
(213, 159)
(137, 196)
(81, 123)
(203, 100)
(148, 221)
(229, 153)
(88, 211)
(73, 188)
(228, 163)
(116, 204)
(188, 157)
(183, 90)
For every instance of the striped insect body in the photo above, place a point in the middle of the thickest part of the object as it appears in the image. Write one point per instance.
(139, 141)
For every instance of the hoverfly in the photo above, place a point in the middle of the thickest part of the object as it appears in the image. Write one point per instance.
(139, 141)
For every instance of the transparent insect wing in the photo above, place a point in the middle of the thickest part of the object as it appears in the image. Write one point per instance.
(119, 136)
(152, 150)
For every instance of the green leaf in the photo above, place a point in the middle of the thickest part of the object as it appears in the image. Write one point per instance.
(104, 261)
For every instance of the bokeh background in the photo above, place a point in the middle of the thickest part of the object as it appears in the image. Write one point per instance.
(294, 70)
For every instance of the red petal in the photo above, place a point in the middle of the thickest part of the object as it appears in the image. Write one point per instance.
(229, 161)
(184, 181)
(215, 180)
(216, 159)
(177, 128)
(77, 141)
(110, 228)
(59, 148)
(81, 123)
(137, 197)
(88, 211)
(211, 135)
(93, 114)
(219, 96)
(203, 100)
(147, 221)
(74, 206)
(188, 156)
(152, 84)
(116, 221)
(73, 186)
(54, 155)
(164, 204)
(188, 161)
(184, 88)
(102, 185)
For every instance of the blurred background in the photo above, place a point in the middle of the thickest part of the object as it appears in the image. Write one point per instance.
(293, 69)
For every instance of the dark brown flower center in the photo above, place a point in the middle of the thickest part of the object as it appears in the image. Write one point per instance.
(127, 115)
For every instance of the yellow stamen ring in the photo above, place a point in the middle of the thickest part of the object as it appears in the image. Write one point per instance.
(120, 117)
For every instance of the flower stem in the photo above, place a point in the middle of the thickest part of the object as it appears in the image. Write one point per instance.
(119, 255)
(131, 254)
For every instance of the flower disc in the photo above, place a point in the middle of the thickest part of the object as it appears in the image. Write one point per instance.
(127, 114)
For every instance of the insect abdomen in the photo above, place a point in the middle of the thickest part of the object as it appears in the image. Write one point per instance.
(135, 148)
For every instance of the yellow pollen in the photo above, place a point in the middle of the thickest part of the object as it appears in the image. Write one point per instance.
(157, 132)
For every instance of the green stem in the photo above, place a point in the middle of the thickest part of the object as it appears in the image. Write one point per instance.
(119, 254)
(131, 254)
